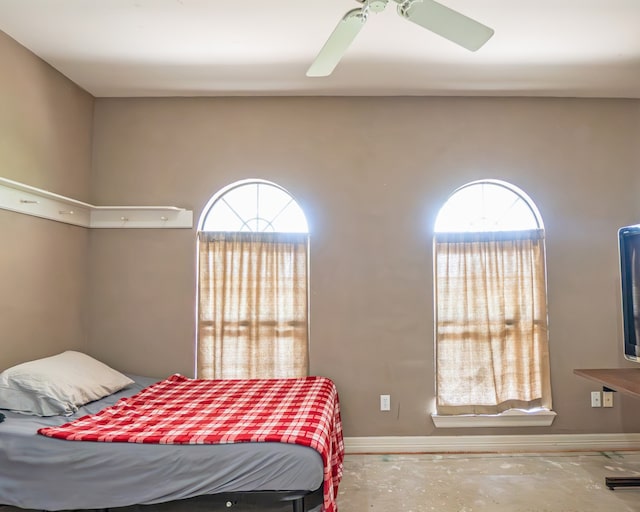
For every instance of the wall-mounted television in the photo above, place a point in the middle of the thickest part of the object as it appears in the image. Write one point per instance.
(629, 246)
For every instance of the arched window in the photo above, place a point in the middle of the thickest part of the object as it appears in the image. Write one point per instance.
(254, 205)
(252, 284)
(490, 299)
(488, 205)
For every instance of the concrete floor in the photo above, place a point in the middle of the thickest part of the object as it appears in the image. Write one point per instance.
(553, 482)
(558, 482)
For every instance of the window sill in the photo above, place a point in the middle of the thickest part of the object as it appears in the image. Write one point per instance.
(511, 418)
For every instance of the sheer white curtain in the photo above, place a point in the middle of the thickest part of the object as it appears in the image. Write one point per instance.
(492, 349)
(252, 305)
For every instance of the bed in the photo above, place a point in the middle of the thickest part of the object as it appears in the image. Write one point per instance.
(49, 473)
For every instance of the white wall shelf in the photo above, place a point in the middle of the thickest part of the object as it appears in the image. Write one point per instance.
(29, 200)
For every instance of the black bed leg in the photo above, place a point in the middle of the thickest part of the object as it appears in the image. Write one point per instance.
(298, 505)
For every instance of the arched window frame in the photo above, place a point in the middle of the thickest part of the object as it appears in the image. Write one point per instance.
(296, 213)
(449, 238)
(471, 223)
(252, 296)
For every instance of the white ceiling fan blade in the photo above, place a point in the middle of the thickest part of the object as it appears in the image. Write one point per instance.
(446, 22)
(338, 42)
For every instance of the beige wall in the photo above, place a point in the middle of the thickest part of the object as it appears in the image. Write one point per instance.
(370, 173)
(45, 141)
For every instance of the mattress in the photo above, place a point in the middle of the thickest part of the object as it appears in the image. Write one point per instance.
(39, 472)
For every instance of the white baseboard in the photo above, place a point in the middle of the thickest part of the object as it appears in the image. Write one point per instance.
(492, 444)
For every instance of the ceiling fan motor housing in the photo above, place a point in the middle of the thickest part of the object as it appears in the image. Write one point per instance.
(377, 5)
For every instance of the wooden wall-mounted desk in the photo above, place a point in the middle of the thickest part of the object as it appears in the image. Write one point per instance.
(623, 380)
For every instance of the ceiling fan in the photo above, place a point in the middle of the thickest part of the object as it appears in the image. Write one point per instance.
(450, 24)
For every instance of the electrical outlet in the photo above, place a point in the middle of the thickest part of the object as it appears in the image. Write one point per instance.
(596, 399)
(385, 402)
(607, 399)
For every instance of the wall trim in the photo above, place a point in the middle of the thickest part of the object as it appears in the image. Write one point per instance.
(21, 198)
(492, 444)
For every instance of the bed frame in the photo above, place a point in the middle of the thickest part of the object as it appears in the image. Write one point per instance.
(299, 500)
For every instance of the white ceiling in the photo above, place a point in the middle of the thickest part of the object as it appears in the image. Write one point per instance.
(582, 48)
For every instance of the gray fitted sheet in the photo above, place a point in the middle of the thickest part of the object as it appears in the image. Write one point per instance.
(39, 472)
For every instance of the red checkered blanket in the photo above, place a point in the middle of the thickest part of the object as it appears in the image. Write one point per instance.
(179, 410)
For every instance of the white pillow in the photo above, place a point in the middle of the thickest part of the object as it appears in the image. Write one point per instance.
(58, 384)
